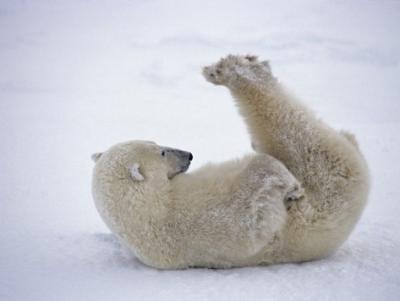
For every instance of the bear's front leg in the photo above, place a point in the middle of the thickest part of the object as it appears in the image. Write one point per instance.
(265, 189)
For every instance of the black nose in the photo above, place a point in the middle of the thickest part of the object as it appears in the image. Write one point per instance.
(190, 157)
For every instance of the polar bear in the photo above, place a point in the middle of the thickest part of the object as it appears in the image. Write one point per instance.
(296, 199)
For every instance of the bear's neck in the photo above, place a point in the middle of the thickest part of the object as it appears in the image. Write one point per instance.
(122, 202)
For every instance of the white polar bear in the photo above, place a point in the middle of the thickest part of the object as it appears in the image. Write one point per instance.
(251, 211)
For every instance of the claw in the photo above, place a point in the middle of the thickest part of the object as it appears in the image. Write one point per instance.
(251, 58)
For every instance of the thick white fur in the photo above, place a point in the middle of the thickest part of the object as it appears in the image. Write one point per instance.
(243, 212)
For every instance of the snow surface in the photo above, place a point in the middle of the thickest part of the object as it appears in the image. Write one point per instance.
(77, 77)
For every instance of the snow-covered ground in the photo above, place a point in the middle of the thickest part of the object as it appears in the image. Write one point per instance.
(77, 77)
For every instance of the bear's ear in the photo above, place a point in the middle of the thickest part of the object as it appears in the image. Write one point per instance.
(135, 172)
(96, 156)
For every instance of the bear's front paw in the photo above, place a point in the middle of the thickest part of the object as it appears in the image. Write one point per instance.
(295, 194)
(236, 67)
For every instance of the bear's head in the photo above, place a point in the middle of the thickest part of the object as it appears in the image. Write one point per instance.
(141, 160)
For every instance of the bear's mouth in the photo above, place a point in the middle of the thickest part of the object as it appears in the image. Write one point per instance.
(185, 168)
(178, 159)
(181, 169)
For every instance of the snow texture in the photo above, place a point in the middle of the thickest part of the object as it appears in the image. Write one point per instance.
(77, 77)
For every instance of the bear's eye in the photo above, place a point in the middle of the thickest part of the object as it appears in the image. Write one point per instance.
(163, 153)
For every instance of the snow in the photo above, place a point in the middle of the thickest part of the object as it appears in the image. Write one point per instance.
(77, 77)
